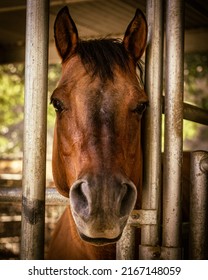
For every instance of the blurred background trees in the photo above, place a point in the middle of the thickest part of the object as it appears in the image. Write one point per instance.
(11, 112)
(196, 92)
(12, 107)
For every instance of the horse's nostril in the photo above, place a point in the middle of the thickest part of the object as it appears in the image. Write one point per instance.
(128, 200)
(78, 198)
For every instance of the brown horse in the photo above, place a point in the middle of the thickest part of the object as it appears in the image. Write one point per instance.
(97, 158)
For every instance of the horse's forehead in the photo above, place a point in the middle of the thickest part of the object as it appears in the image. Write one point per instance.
(98, 99)
(74, 70)
(87, 90)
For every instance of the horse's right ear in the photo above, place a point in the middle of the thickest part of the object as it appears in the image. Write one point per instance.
(65, 33)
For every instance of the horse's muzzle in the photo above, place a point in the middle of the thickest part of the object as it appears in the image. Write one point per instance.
(101, 206)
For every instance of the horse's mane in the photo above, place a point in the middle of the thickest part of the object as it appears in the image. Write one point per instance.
(100, 56)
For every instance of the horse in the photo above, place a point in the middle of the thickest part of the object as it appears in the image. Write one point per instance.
(97, 156)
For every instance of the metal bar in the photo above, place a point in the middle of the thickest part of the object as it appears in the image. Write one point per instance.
(125, 247)
(152, 139)
(192, 113)
(195, 114)
(53, 197)
(34, 161)
(10, 194)
(204, 165)
(199, 206)
(14, 195)
(173, 130)
(139, 218)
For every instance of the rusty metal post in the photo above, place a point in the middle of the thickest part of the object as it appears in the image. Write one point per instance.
(173, 130)
(152, 139)
(199, 206)
(34, 162)
(125, 247)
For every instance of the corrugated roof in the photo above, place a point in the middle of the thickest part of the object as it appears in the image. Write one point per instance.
(94, 18)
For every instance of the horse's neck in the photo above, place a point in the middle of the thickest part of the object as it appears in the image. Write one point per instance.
(66, 243)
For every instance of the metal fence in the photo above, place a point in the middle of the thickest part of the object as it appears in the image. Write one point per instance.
(149, 217)
(175, 110)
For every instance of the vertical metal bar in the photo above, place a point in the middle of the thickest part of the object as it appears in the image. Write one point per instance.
(34, 162)
(125, 247)
(199, 206)
(173, 129)
(152, 140)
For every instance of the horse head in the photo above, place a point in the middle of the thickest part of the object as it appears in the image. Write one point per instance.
(99, 101)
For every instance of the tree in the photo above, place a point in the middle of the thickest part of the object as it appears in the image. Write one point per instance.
(12, 107)
(11, 102)
(196, 92)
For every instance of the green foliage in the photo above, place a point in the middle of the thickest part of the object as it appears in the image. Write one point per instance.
(11, 95)
(196, 79)
(12, 106)
(54, 72)
(11, 102)
(195, 92)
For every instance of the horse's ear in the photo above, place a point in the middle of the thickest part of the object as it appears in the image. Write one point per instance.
(65, 33)
(135, 37)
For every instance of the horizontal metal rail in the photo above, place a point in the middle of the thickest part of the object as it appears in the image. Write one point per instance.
(15, 195)
(193, 113)
(53, 197)
(136, 219)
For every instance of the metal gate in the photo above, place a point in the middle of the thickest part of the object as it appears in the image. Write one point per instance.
(149, 217)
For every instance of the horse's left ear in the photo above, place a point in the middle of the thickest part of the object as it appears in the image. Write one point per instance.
(65, 33)
(135, 37)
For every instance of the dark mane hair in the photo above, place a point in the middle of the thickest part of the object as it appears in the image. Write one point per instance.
(100, 57)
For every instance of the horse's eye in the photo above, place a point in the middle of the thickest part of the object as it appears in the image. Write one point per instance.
(140, 108)
(58, 105)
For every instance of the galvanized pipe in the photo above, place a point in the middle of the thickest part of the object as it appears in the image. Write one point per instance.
(152, 138)
(125, 247)
(14, 195)
(10, 194)
(192, 113)
(199, 206)
(195, 114)
(173, 130)
(34, 162)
